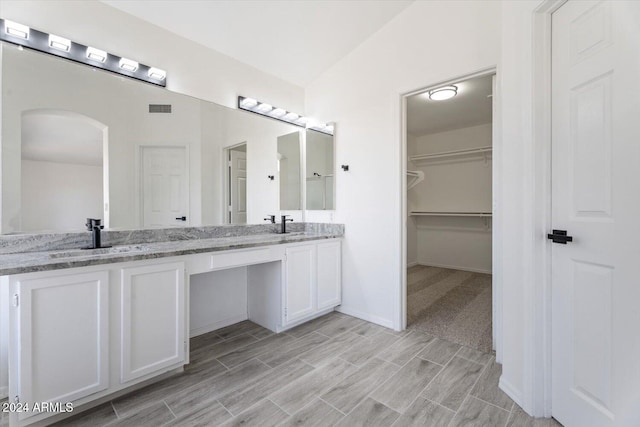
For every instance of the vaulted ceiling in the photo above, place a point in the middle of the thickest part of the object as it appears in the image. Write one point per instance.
(293, 40)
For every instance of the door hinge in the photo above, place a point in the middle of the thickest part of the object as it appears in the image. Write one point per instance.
(229, 164)
(16, 300)
(285, 312)
(16, 399)
(185, 347)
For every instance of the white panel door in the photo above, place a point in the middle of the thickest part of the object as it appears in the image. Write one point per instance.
(165, 186)
(299, 292)
(596, 199)
(63, 336)
(153, 318)
(238, 188)
(329, 278)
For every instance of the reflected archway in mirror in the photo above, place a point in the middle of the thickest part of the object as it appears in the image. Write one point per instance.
(63, 170)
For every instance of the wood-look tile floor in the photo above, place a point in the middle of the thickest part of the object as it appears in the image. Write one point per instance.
(451, 304)
(335, 370)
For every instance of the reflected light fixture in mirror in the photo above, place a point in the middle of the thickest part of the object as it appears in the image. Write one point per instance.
(268, 110)
(443, 93)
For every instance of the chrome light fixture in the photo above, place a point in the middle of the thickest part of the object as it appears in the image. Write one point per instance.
(16, 30)
(96, 54)
(268, 110)
(23, 36)
(128, 65)
(443, 93)
(60, 43)
(157, 73)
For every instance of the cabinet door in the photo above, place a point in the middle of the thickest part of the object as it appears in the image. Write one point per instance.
(62, 333)
(153, 318)
(300, 283)
(329, 275)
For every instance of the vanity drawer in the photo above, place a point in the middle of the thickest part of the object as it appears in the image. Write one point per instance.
(241, 257)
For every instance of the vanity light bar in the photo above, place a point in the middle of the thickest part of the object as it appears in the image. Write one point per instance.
(52, 44)
(268, 110)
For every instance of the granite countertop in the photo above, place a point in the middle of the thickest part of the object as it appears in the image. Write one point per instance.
(43, 260)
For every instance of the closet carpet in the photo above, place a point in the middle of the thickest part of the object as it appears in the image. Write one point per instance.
(451, 304)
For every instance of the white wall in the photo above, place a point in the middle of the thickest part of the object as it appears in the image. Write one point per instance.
(46, 184)
(362, 94)
(523, 371)
(453, 185)
(217, 299)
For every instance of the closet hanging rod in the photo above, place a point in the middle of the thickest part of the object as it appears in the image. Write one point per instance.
(464, 214)
(478, 150)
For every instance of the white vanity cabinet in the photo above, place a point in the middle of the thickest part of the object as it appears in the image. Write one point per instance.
(80, 334)
(152, 315)
(299, 283)
(329, 274)
(312, 281)
(60, 334)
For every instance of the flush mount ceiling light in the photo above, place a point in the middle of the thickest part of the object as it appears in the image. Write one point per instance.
(443, 93)
(96, 54)
(60, 43)
(16, 30)
(23, 36)
(268, 110)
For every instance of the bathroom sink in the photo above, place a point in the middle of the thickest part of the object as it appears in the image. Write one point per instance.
(124, 249)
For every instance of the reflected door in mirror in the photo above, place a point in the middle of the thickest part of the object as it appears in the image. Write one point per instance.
(238, 188)
(165, 188)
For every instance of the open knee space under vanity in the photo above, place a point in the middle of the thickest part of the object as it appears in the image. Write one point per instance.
(85, 334)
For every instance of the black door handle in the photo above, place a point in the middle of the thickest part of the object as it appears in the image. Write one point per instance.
(560, 236)
(182, 218)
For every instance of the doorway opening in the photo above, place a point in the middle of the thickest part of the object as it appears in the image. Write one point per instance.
(448, 287)
(236, 184)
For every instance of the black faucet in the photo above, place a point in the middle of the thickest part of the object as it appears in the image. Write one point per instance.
(271, 218)
(94, 225)
(283, 223)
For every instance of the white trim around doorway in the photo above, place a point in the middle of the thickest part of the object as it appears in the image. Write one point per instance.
(497, 278)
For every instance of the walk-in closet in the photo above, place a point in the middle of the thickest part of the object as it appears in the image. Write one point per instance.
(449, 207)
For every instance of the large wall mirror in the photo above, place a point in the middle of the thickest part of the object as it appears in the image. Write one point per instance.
(320, 168)
(79, 143)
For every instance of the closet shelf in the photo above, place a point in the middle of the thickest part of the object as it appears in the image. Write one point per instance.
(432, 213)
(414, 177)
(423, 158)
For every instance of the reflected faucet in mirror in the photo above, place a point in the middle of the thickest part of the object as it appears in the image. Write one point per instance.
(94, 225)
(271, 218)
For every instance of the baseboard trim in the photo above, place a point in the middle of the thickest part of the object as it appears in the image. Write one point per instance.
(365, 316)
(455, 267)
(412, 264)
(510, 391)
(216, 325)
